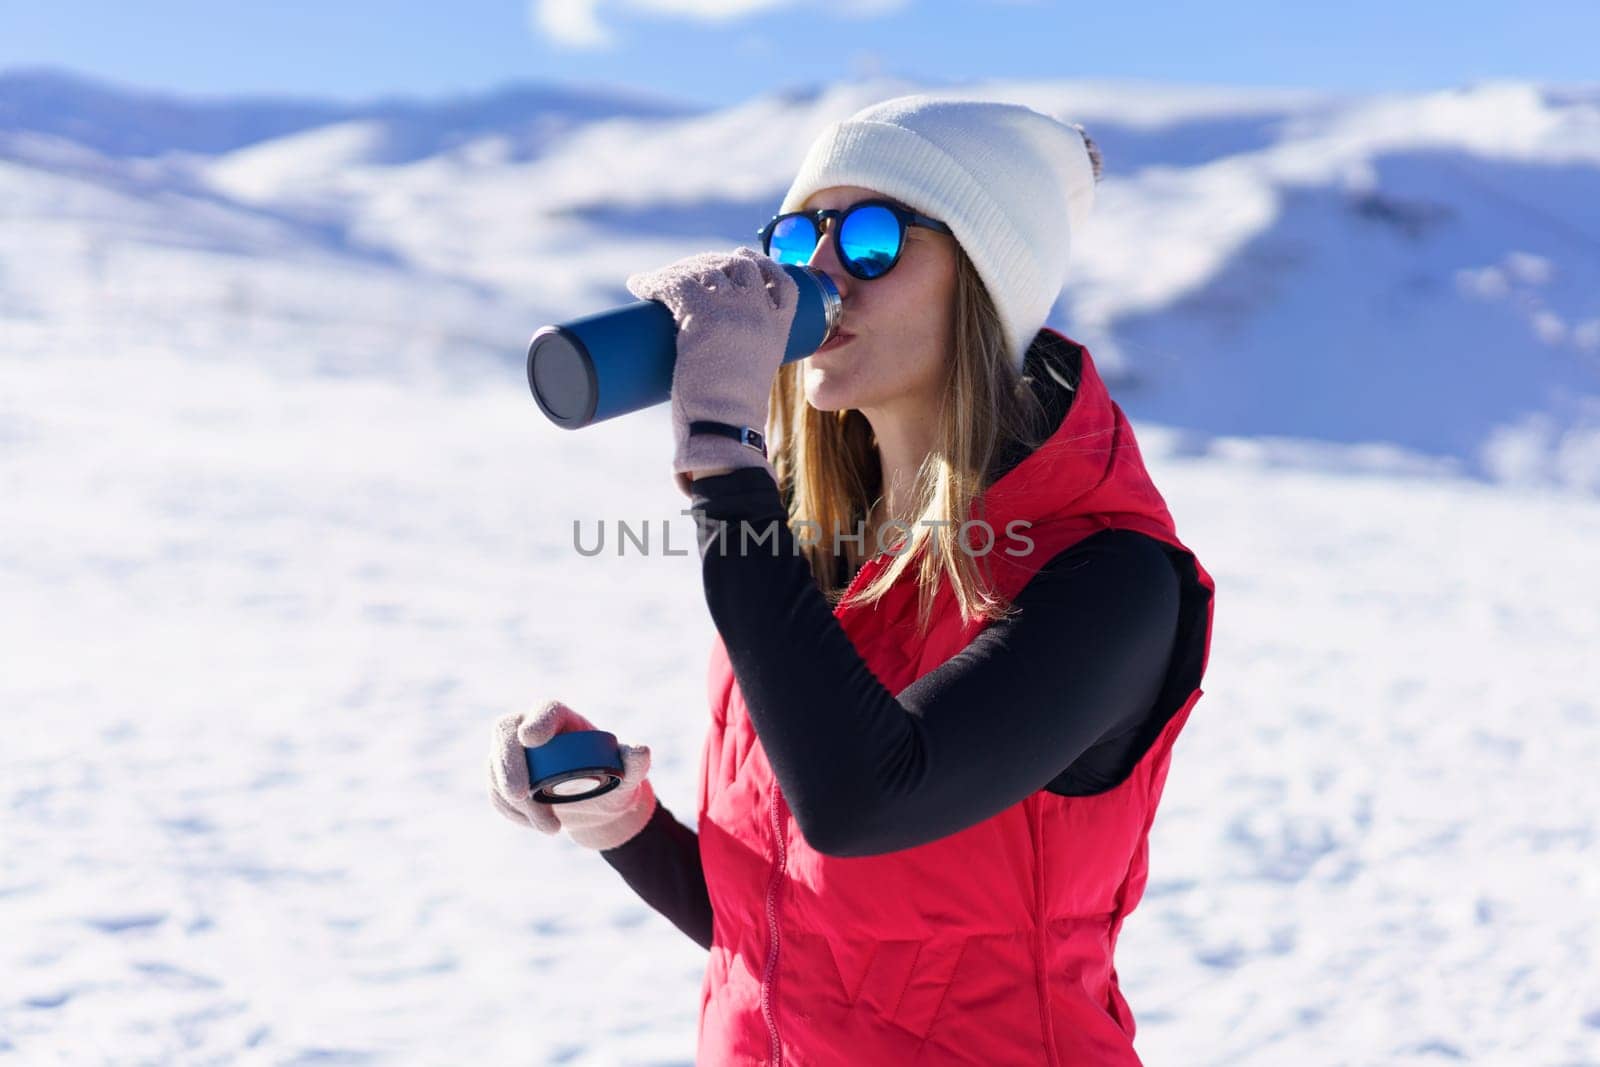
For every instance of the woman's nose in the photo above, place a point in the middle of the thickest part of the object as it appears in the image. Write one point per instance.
(823, 258)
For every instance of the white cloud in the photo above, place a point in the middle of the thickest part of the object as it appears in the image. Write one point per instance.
(571, 22)
(577, 23)
(1535, 270)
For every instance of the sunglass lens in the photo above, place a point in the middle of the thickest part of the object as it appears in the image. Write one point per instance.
(870, 238)
(793, 240)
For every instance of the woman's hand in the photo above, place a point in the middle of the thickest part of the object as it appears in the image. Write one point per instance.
(733, 310)
(601, 822)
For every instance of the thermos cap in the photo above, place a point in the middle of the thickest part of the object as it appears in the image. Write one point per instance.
(574, 766)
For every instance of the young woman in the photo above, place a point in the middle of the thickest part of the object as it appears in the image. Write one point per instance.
(939, 732)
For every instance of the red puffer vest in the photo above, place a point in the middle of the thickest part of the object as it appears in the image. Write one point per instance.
(992, 946)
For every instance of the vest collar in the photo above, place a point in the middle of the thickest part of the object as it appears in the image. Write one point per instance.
(1088, 474)
(1051, 370)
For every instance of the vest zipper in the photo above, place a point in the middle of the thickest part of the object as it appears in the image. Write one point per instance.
(859, 578)
(767, 979)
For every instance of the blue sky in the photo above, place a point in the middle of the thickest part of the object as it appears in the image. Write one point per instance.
(712, 51)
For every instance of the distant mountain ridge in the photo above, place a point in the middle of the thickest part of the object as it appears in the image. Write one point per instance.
(125, 122)
(1412, 276)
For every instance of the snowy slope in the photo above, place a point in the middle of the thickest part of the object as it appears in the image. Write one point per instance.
(1419, 271)
(283, 534)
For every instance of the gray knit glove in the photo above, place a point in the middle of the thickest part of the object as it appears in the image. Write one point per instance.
(733, 310)
(601, 822)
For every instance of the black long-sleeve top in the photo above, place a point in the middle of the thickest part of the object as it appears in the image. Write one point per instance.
(1053, 697)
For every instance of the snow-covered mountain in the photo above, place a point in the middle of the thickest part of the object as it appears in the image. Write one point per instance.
(282, 533)
(129, 123)
(1417, 272)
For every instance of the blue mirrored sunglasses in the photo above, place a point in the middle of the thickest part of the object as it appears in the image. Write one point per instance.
(868, 236)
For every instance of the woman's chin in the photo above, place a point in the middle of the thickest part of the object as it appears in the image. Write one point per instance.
(827, 388)
(831, 387)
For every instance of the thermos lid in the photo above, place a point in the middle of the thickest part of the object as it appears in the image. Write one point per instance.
(574, 766)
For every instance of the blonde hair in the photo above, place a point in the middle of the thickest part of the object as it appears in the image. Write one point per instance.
(828, 468)
(830, 477)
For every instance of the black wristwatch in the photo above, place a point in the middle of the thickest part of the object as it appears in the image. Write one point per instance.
(743, 434)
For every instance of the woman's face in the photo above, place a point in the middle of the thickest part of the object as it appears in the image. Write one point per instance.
(903, 324)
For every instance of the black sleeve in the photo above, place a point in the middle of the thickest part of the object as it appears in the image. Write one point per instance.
(662, 864)
(867, 772)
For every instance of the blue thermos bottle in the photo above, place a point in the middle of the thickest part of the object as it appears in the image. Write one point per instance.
(613, 362)
(599, 367)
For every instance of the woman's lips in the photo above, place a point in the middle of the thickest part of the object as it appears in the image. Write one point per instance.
(838, 339)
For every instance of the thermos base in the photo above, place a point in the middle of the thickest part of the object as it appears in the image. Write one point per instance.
(562, 377)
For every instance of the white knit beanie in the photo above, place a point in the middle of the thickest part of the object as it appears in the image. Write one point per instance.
(1012, 184)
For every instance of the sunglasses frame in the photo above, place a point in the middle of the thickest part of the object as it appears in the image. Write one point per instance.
(903, 216)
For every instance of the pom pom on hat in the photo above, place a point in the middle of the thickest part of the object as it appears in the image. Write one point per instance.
(1014, 186)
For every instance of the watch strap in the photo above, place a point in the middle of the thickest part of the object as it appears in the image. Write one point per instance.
(745, 435)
